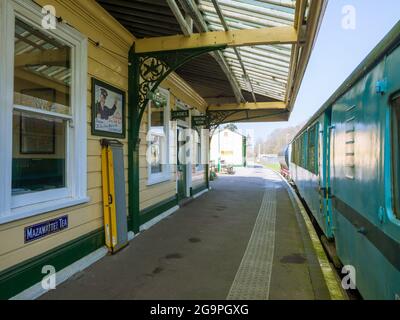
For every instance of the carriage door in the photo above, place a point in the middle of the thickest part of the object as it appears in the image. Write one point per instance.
(326, 151)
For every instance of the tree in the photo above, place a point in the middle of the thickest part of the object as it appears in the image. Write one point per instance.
(232, 127)
(279, 139)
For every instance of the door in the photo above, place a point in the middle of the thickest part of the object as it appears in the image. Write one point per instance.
(328, 148)
(181, 164)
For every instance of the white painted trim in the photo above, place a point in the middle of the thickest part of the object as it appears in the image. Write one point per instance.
(22, 206)
(131, 236)
(24, 201)
(7, 27)
(200, 194)
(41, 208)
(157, 179)
(36, 290)
(44, 112)
(165, 175)
(185, 126)
(157, 219)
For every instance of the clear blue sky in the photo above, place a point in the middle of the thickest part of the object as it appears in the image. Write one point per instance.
(336, 54)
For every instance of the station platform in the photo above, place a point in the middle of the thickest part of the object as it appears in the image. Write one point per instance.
(245, 239)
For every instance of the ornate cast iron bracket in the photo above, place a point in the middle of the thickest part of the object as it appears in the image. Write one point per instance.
(147, 71)
(216, 118)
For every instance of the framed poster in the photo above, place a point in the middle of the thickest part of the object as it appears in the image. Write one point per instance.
(108, 110)
(37, 136)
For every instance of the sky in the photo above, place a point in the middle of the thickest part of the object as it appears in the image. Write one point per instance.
(337, 52)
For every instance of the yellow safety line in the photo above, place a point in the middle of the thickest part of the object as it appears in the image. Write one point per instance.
(253, 278)
(331, 280)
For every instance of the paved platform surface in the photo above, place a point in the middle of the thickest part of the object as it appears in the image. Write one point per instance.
(242, 240)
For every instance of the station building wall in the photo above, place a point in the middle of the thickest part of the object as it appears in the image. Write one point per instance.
(108, 47)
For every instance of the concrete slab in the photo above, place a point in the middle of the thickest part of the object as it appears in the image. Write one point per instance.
(196, 253)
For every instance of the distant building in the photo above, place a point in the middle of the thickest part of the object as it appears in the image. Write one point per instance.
(228, 147)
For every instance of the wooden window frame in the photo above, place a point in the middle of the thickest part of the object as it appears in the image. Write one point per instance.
(22, 206)
(165, 174)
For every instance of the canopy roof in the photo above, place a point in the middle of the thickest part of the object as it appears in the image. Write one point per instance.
(251, 76)
(260, 69)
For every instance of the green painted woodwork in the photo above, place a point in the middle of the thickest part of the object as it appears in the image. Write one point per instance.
(154, 211)
(24, 275)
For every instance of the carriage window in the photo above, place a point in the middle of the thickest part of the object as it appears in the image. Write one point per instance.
(297, 152)
(396, 156)
(312, 150)
(302, 151)
(293, 155)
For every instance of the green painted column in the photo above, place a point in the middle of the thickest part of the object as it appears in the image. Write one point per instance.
(133, 144)
(146, 72)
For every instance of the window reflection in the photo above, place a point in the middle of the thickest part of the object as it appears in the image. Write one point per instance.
(42, 70)
(38, 161)
(156, 165)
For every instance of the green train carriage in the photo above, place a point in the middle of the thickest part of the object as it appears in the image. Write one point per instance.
(346, 165)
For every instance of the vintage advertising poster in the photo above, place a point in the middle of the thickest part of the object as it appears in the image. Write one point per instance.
(108, 110)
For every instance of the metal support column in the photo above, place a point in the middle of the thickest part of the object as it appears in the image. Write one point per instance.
(146, 72)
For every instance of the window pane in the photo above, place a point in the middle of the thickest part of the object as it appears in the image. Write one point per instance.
(197, 149)
(38, 153)
(157, 116)
(292, 157)
(199, 163)
(156, 166)
(42, 70)
(302, 151)
(396, 157)
(311, 149)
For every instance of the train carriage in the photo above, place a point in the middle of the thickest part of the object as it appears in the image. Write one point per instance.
(346, 165)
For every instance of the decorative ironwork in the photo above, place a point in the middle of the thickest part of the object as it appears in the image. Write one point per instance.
(150, 70)
(146, 72)
(216, 118)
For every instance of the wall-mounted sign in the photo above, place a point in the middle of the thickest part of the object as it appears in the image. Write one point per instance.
(46, 228)
(179, 114)
(199, 121)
